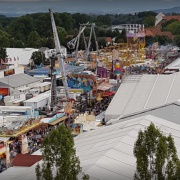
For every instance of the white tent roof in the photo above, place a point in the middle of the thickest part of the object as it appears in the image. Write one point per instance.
(174, 65)
(106, 153)
(20, 55)
(18, 80)
(138, 93)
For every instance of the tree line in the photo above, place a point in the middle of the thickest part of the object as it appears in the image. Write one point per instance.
(34, 30)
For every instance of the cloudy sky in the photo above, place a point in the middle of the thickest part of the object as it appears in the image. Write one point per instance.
(89, 6)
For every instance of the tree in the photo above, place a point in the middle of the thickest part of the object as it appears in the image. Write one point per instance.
(102, 42)
(37, 57)
(34, 40)
(176, 40)
(59, 157)
(3, 54)
(173, 27)
(4, 39)
(156, 156)
(19, 44)
(21, 27)
(62, 34)
(163, 40)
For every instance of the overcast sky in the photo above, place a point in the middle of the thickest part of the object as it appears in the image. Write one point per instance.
(125, 6)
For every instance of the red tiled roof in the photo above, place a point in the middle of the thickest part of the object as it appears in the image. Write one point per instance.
(149, 32)
(108, 39)
(168, 18)
(157, 31)
(26, 160)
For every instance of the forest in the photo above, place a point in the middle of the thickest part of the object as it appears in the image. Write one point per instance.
(35, 30)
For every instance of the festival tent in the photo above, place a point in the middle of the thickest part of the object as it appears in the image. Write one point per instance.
(141, 92)
(46, 70)
(107, 152)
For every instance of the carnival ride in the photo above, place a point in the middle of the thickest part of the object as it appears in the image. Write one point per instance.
(82, 81)
(74, 43)
(131, 52)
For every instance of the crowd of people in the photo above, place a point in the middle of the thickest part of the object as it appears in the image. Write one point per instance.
(34, 139)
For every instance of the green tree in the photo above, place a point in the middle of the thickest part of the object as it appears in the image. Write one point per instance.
(59, 157)
(38, 57)
(174, 28)
(67, 20)
(149, 40)
(34, 40)
(62, 34)
(163, 40)
(3, 54)
(102, 42)
(166, 23)
(4, 39)
(19, 44)
(42, 24)
(21, 27)
(156, 156)
(176, 40)
(149, 21)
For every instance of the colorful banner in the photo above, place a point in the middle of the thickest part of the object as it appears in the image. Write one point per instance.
(117, 67)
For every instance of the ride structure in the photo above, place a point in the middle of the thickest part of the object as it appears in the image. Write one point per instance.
(74, 43)
(61, 65)
(135, 47)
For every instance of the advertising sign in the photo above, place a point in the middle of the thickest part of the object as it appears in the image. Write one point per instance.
(4, 91)
(9, 72)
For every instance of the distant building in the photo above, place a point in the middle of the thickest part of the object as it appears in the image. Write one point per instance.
(21, 56)
(129, 27)
(50, 52)
(11, 82)
(157, 32)
(161, 18)
(108, 40)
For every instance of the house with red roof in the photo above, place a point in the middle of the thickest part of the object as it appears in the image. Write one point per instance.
(161, 18)
(156, 31)
(109, 40)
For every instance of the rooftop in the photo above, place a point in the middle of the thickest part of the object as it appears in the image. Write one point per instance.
(18, 80)
(26, 160)
(20, 55)
(138, 93)
(107, 152)
(39, 97)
